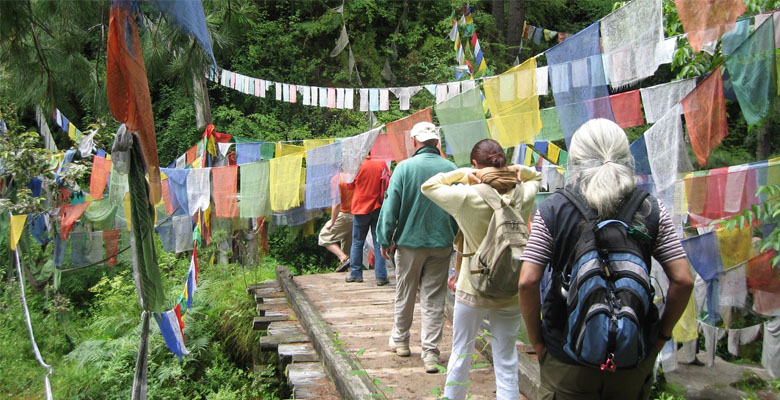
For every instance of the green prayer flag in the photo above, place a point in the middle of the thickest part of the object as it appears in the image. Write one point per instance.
(254, 196)
(551, 126)
(753, 71)
(101, 214)
(462, 118)
(142, 217)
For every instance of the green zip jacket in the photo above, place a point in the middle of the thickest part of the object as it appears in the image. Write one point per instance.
(408, 218)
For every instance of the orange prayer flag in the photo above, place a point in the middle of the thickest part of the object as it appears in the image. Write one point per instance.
(101, 167)
(225, 180)
(71, 213)
(707, 20)
(398, 133)
(111, 241)
(705, 116)
(627, 109)
(128, 89)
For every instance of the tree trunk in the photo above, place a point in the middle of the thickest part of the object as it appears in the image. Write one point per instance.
(498, 14)
(201, 99)
(515, 26)
(764, 147)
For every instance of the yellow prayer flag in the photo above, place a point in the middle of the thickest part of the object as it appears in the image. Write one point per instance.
(514, 105)
(686, 328)
(72, 131)
(196, 163)
(127, 211)
(736, 246)
(553, 152)
(285, 181)
(17, 226)
(284, 149)
(528, 160)
(309, 144)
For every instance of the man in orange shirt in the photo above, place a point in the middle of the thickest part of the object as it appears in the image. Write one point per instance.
(366, 202)
(336, 235)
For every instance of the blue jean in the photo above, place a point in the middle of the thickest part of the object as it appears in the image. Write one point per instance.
(360, 225)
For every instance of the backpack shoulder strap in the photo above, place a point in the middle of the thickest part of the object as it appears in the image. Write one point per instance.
(632, 205)
(586, 212)
(490, 195)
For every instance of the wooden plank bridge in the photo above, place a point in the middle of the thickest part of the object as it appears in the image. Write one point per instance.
(332, 338)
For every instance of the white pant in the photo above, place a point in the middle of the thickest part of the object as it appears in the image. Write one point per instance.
(466, 324)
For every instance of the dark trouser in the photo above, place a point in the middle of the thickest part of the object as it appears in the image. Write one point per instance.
(561, 381)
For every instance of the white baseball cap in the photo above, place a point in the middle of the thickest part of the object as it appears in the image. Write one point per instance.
(424, 131)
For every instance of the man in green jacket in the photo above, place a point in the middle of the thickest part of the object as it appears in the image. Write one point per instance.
(420, 234)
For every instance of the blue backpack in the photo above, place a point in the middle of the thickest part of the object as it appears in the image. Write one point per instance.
(611, 319)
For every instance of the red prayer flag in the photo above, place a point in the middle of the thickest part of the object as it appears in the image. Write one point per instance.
(705, 115)
(225, 188)
(166, 195)
(191, 154)
(128, 90)
(111, 241)
(101, 167)
(760, 275)
(381, 149)
(398, 134)
(627, 109)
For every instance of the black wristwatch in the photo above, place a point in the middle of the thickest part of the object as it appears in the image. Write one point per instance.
(664, 337)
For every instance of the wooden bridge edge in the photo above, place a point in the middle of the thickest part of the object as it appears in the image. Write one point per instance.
(338, 365)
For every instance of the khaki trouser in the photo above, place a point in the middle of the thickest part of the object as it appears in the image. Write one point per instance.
(424, 269)
(561, 381)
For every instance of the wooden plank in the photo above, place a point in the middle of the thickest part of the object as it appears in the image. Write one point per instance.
(272, 300)
(264, 285)
(268, 295)
(261, 323)
(273, 342)
(297, 352)
(338, 365)
(264, 308)
(285, 327)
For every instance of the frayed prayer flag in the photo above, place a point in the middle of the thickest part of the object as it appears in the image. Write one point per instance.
(17, 226)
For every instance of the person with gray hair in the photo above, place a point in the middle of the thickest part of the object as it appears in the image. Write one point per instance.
(601, 177)
(420, 234)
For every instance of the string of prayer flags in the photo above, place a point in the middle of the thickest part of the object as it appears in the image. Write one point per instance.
(255, 196)
(354, 150)
(101, 167)
(322, 173)
(16, 229)
(462, 119)
(224, 180)
(657, 100)
(741, 185)
(514, 105)
(627, 109)
(705, 21)
(172, 329)
(629, 37)
(285, 181)
(753, 71)
(198, 190)
(576, 69)
(704, 255)
(404, 94)
(705, 116)
(736, 246)
(111, 241)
